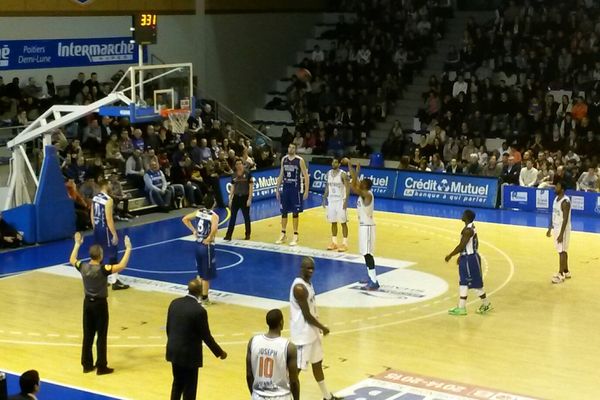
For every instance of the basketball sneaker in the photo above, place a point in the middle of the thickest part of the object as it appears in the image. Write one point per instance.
(335, 398)
(342, 248)
(558, 278)
(294, 241)
(371, 286)
(207, 302)
(483, 309)
(282, 239)
(457, 311)
(567, 275)
(332, 246)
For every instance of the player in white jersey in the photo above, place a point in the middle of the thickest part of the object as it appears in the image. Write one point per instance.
(271, 363)
(335, 201)
(469, 267)
(305, 327)
(365, 204)
(560, 230)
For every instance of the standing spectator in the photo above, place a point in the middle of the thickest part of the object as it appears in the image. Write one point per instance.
(240, 198)
(134, 169)
(187, 329)
(29, 382)
(95, 305)
(157, 187)
(528, 175)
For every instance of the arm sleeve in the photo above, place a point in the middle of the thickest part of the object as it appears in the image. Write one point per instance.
(107, 269)
(207, 336)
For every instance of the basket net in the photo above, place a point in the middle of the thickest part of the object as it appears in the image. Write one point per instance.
(178, 119)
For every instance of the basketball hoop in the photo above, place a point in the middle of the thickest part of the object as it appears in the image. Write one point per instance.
(178, 118)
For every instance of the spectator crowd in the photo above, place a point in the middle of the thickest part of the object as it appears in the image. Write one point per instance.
(530, 77)
(374, 52)
(173, 170)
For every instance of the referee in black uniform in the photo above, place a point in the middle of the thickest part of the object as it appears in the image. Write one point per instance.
(240, 197)
(95, 305)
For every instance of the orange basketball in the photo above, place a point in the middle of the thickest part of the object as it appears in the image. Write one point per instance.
(345, 161)
(303, 74)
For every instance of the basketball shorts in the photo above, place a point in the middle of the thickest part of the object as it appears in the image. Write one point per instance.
(562, 247)
(336, 212)
(256, 396)
(206, 262)
(310, 353)
(291, 200)
(469, 271)
(103, 238)
(366, 239)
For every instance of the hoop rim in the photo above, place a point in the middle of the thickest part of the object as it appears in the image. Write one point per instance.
(165, 112)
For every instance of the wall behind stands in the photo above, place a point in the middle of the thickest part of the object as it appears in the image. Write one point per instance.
(172, 30)
(246, 53)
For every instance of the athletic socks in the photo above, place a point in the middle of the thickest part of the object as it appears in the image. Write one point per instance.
(462, 302)
(372, 274)
(326, 393)
(345, 241)
(334, 239)
(463, 292)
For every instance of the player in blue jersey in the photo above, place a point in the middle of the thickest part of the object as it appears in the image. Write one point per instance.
(105, 233)
(469, 267)
(293, 177)
(205, 231)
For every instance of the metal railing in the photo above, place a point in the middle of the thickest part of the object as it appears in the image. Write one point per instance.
(239, 124)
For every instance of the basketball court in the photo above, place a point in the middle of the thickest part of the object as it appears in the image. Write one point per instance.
(398, 341)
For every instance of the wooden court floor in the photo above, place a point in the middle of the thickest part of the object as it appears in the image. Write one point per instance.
(541, 340)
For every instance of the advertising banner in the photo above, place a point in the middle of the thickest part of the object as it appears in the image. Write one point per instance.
(534, 199)
(61, 53)
(459, 190)
(384, 180)
(265, 182)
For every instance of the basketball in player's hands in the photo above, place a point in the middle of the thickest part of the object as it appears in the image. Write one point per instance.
(345, 161)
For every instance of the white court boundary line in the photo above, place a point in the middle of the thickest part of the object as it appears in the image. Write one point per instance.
(353, 330)
(193, 271)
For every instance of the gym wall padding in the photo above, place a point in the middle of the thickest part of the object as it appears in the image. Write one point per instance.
(54, 210)
(22, 218)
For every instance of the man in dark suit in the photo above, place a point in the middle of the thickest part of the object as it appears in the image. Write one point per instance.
(510, 172)
(30, 385)
(187, 328)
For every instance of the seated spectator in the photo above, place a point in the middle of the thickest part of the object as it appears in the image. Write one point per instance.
(157, 187)
(92, 136)
(148, 157)
(492, 169)
(423, 167)
(453, 167)
(125, 144)
(181, 174)
(138, 140)
(588, 181)
(75, 169)
(473, 167)
(363, 150)
(205, 151)
(335, 144)
(9, 237)
(29, 382)
(113, 152)
(436, 164)
(96, 170)
(459, 86)
(119, 196)
(405, 163)
(528, 175)
(134, 169)
(562, 174)
(249, 163)
(511, 172)
(579, 110)
(265, 159)
(215, 149)
(89, 188)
